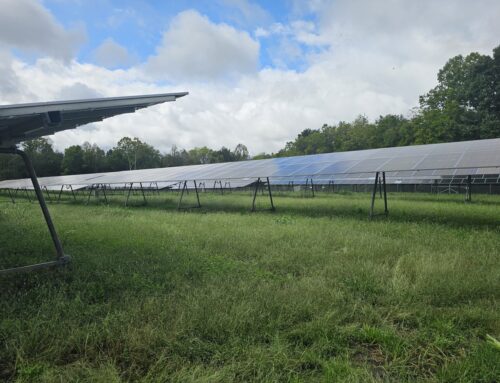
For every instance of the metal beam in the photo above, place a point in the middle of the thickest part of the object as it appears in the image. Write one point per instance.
(61, 258)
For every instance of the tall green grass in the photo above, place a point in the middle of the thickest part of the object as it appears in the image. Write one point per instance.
(312, 292)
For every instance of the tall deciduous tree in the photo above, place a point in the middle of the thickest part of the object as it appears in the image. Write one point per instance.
(94, 158)
(45, 160)
(73, 160)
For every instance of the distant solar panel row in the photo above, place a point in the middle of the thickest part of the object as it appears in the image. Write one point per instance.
(421, 163)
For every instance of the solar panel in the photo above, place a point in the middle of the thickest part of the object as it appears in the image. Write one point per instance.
(25, 121)
(402, 164)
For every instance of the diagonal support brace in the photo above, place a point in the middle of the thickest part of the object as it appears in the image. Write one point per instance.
(61, 258)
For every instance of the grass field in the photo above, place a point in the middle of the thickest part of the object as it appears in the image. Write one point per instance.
(311, 292)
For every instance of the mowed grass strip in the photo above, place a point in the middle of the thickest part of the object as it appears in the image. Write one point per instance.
(312, 292)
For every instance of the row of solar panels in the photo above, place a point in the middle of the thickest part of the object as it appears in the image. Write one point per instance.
(483, 179)
(410, 164)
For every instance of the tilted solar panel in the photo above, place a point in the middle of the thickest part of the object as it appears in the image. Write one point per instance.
(20, 122)
(401, 164)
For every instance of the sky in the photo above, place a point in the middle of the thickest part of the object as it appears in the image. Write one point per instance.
(258, 72)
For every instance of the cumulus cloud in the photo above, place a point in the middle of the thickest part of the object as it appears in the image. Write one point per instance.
(397, 47)
(263, 111)
(9, 83)
(110, 54)
(375, 61)
(78, 91)
(195, 48)
(27, 25)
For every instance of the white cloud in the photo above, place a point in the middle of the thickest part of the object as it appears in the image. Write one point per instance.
(195, 48)
(27, 25)
(263, 111)
(375, 61)
(110, 54)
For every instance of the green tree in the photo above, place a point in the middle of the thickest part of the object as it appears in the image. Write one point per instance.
(465, 104)
(241, 152)
(45, 160)
(94, 158)
(138, 154)
(72, 162)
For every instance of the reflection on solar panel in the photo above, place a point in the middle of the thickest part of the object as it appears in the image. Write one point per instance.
(411, 164)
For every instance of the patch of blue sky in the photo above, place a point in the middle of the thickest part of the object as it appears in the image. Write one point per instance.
(139, 25)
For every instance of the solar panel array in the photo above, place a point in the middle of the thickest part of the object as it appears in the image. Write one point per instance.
(410, 164)
(20, 122)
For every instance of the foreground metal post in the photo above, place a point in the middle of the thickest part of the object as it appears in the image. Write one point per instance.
(61, 258)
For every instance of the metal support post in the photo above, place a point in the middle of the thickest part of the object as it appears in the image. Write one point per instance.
(197, 195)
(374, 192)
(257, 184)
(468, 193)
(143, 195)
(270, 194)
(312, 187)
(385, 194)
(90, 193)
(260, 184)
(128, 194)
(48, 194)
(72, 192)
(185, 188)
(61, 258)
(11, 196)
(379, 182)
(59, 195)
(103, 187)
(27, 194)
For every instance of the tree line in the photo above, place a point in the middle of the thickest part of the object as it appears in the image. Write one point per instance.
(464, 105)
(128, 154)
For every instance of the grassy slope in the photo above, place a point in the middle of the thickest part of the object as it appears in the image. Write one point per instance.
(312, 292)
